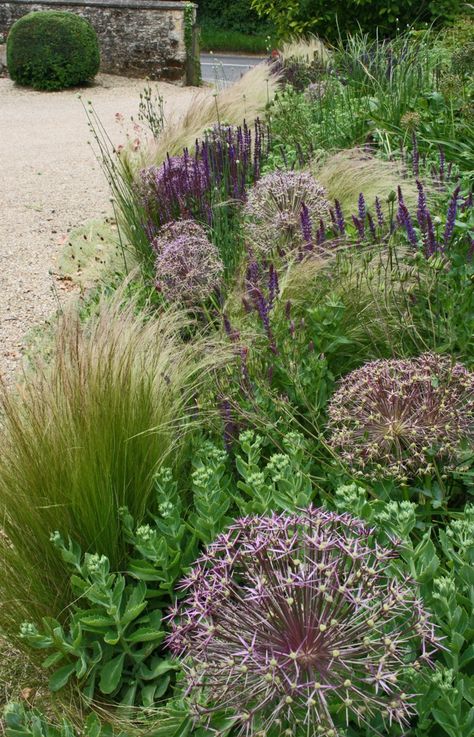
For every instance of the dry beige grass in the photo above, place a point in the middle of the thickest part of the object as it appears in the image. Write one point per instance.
(349, 172)
(244, 100)
(307, 49)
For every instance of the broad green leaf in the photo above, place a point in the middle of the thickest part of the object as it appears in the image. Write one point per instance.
(111, 674)
(59, 679)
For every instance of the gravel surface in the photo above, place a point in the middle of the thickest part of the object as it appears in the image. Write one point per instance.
(51, 183)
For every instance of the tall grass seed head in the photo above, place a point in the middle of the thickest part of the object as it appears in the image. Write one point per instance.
(289, 619)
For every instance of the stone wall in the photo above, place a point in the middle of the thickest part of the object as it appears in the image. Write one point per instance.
(138, 38)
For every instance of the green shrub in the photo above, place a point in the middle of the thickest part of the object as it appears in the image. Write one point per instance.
(51, 50)
(330, 20)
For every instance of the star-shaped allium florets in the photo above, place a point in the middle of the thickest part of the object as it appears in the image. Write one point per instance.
(295, 625)
(188, 266)
(273, 209)
(395, 418)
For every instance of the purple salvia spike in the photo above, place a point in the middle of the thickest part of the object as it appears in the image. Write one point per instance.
(406, 221)
(422, 206)
(379, 211)
(431, 244)
(451, 217)
(340, 218)
(362, 209)
(373, 231)
(442, 163)
(273, 286)
(306, 227)
(359, 226)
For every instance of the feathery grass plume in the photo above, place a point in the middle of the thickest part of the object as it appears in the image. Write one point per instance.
(188, 266)
(307, 49)
(297, 624)
(348, 173)
(274, 207)
(244, 100)
(398, 418)
(85, 437)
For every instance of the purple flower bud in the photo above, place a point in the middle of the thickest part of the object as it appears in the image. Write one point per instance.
(379, 211)
(362, 209)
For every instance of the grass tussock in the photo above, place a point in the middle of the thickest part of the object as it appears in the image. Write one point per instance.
(244, 100)
(308, 50)
(84, 437)
(348, 173)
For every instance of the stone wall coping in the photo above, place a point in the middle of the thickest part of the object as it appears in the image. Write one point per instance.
(149, 4)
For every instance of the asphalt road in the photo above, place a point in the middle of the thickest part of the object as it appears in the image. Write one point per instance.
(226, 68)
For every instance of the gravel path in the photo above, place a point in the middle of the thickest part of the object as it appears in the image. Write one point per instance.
(50, 183)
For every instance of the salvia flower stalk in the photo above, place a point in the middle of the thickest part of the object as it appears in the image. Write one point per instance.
(397, 418)
(295, 625)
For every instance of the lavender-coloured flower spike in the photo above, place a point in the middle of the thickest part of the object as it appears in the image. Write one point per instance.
(340, 218)
(306, 227)
(431, 243)
(379, 211)
(188, 266)
(422, 210)
(273, 285)
(405, 220)
(296, 624)
(396, 418)
(362, 209)
(359, 226)
(274, 207)
(451, 217)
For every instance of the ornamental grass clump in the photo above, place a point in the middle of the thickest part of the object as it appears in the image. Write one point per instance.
(274, 207)
(188, 266)
(398, 418)
(296, 625)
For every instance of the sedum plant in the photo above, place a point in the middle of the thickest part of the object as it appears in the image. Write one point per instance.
(299, 624)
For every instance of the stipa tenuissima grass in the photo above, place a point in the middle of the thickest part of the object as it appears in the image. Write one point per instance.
(396, 418)
(295, 625)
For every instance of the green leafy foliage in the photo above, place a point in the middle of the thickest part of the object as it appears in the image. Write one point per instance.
(330, 20)
(113, 645)
(442, 561)
(51, 50)
(23, 722)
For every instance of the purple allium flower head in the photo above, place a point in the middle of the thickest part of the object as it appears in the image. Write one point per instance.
(451, 216)
(273, 209)
(395, 418)
(188, 265)
(297, 623)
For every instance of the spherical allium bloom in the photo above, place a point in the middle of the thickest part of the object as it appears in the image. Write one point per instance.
(395, 418)
(296, 625)
(188, 265)
(273, 209)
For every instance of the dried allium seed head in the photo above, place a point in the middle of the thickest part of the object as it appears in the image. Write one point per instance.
(274, 207)
(394, 418)
(188, 266)
(289, 620)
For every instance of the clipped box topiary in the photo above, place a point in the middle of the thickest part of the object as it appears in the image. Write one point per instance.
(51, 50)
